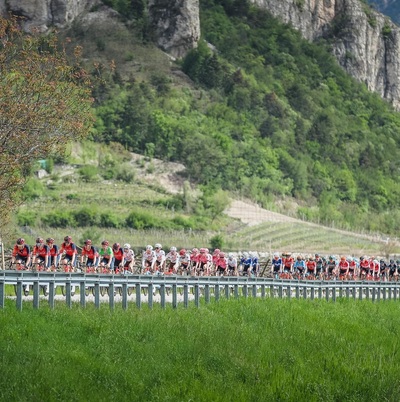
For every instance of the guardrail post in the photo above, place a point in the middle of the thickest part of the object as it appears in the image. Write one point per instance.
(297, 291)
(150, 289)
(395, 292)
(244, 290)
(334, 293)
(2, 291)
(68, 300)
(354, 292)
(19, 295)
(304, 291)
(52, 292)
(236, 291)
(124, 296)
(263, 291)
(216, 292)
(186, 295)
(36, 290)
(227, 291)
(312, 292)
(111, 295)
(280, 291)
(373, 293)
(384, 295)
(138, 296)
(174, 296)
(254, 291)
(197, 295)
(206, 293)
(341, 290)
(97, 295)
(347, 292)
(320, 291)
(289, 292)
(162, 295)
(82, 294)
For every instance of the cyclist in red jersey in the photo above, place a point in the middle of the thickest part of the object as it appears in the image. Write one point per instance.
(53, 253)
(215, 257)
(287, 262)
(364, 267)
(118, 262)
(311, 266)
(68, 252)
(343, 268)
(204, 259)
(90, 253)
(221, 265)
(21, 253)
(41, 254)
(194, 259)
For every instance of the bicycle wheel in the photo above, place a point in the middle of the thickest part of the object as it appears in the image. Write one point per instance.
(103, 290)
(63, 290)
(144, 291)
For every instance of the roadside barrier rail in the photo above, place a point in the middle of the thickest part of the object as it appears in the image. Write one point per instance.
(146, 289)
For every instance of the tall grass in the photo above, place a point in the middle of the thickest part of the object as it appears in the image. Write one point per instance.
(235, 350)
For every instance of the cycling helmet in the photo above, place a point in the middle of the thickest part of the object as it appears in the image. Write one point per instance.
(316, 255)
(222, 254)
(116, 246)
(39, 240)
(157, 245)
(288, 253)
(342, 258)
(276, 255)
(245, 254)
(331, 257)
(349, 259)
(149, 247)
(105, 243)
(207, 250)
(127, 245)
(299, 257)
(67, 238)
(195, 250)
(20, 241)
(362, 258)
(87, 242)
(217, 250)
(172, 248)
(49, 240)
(391, 261)
(182, 251)
(202, 250)
(230, 255)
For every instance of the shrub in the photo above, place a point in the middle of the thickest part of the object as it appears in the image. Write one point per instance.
(125, 173)
(140, 220)
(26, 218)
(217, 241)
(59, 219)
(109, 220)
(86, 216)
(88, 173)
(33, 189)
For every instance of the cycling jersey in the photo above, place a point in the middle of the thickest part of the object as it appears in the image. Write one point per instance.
(222, 262)
(129, 255)
(300, 265)
(118, 254)
(172, 257)
(21, 252)
(91, 253)
(311, 265)
(106, 253)
(41, 252)
(69, 249)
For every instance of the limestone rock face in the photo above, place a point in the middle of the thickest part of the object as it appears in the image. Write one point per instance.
(176, 25)
(365, 42)
(42, 14)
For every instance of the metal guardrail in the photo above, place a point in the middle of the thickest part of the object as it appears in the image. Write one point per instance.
(139, 289)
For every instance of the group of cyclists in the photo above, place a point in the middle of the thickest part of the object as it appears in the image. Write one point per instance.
(47, 256)
(325, 268)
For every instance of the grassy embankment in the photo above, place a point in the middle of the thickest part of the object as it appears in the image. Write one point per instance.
(238, 350)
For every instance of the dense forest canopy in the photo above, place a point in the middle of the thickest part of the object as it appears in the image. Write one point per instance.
(270, 115)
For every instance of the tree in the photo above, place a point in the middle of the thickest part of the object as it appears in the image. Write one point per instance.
(44, 103)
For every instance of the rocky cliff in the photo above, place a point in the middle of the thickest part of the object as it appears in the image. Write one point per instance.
(366, 43)
(175, 23)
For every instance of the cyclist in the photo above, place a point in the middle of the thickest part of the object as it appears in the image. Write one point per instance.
(364, 267)
(215, 257)
(352, 267)
(392, 268)
(245, 262)
(202, 266)
(232, 265)
(383, 269)
(40, 254)
(299, 267)
(311, 267)
(319, 266)
(106, 255)
(288, 262)
(118, 261)
(148, 259)
(375, 268)
(53, 253)
(184, 261)
(68, 253)
(91, 254)
(194, 259)
(21, 254)
(276, 267)
(221, 264)
(331, 267)
(343, 268)
(254, 263)
(173, 261)
(129, 258)
(159, 264)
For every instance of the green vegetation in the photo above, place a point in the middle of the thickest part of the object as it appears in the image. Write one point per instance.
(231, 350)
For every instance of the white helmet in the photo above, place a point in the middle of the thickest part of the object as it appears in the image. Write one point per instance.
(230, 255)
(149, 247)
(172, 248)
(157, 245)
(276, 254)
(127, 245)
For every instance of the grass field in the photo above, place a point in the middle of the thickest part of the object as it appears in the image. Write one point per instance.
(236, 350)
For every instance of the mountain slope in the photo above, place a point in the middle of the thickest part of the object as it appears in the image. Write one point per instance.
(388, 7)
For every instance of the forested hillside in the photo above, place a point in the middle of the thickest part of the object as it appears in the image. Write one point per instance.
(388, 7)
(268, 116)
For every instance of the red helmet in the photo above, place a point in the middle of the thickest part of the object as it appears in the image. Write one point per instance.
(105, 243)
(116, 246)
(195, 250)
(182, 251)
(222, 254)
(67, 238)
(202, 250)
(87, 242)
(50, 240)
(217, 250)
(20, 241)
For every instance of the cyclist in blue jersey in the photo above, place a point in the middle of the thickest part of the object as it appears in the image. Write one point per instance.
(299, 266)
(276, 265)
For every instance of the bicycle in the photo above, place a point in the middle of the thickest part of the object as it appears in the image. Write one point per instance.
(67, 267)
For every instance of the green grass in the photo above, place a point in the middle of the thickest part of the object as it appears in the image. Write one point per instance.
(236, 350)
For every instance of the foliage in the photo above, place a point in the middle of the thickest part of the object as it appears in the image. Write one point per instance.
(217, 241)
(44, 103)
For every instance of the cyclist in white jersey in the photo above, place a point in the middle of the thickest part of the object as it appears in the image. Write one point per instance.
(159, 264)
(148, 260)
(172, 261)
(129, 258)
